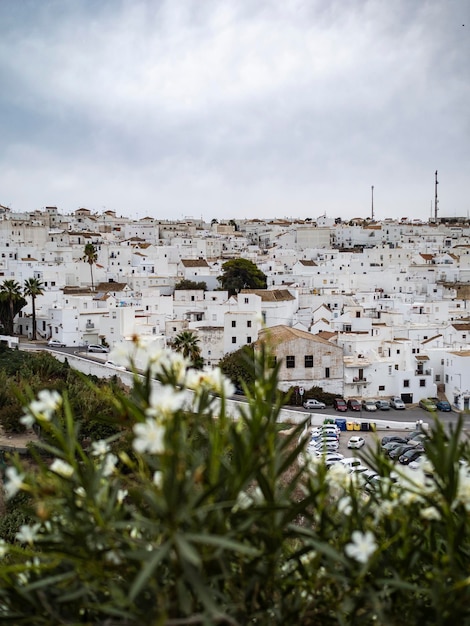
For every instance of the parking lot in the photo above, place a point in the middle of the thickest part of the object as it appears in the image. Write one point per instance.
(370, 437)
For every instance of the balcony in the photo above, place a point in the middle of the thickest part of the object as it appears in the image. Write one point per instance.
(355, 380)
(89, 326)
(422, 372)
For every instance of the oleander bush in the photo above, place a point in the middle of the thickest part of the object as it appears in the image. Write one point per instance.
(190, 514)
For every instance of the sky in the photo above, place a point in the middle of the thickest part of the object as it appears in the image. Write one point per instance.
(234, 109)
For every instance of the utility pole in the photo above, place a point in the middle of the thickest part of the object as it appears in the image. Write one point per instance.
(372, 214)
(436, 201)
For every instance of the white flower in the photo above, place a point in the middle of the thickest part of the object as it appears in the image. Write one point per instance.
(257, 496)
(121, 495)
(158, 478)
(28, 534)
(28, 420)
(113, 557)
(362, 547)
(120, 354)
(150, 437)
(3, 548)
(243, 502)
(165, 400)
(99, 448)
(463, 488)
(44, 407)
(385, 508)
(14, 482)
(58, 466)
(109, 464)
(345, 505)
(338, 476)
(430, 513)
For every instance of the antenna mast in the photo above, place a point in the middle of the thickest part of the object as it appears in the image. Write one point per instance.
(436, 201)
(372, 204)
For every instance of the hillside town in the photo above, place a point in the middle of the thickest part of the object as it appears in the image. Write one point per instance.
(362, 308)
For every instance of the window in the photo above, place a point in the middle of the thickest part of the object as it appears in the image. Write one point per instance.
(398, 351)
(248, 340)
(327, 372)
(389, 370)
(246, 300)
(396, 367)
(234, 324)
(234, 340)
(438, 378)
(422, 382)
(381, 387)
(248, 324)
(290, 361)
(308, 360)
(406, 383)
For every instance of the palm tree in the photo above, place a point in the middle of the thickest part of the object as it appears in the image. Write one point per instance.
(33, 287)
(13, 301)
(187, 343)
(90, 256)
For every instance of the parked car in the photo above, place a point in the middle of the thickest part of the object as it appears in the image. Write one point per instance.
(55, 343)
(325, 432)
(340, 404)
(311, 404)
(96, 347)
(325, 445)
(397, 403)
(413, 434)
(411, 455)
(320, 443)
(369, 405)
(427, 404)
(383, 405)
(390, 438)
(115, 365)
(391, 445)
(443, 405)
(351, 461)
(399, 450)
(356, 442)
(354, 405)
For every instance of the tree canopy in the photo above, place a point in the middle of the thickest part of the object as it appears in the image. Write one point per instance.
(11, 303)
(185, 283)
(241, 274)
(90, 256)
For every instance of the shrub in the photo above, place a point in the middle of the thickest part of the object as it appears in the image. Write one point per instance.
(206, 519)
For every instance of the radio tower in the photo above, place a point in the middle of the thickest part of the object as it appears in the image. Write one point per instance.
(436, 201)
(372, 207)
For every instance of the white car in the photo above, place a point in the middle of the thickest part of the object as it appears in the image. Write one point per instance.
(356, 442)
(115, 365)
(313, 404)
(97, 347)
(55, 343)
(369, 405)
(397, 403)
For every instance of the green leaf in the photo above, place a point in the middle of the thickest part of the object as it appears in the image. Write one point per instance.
(224, 543)
(146, 572)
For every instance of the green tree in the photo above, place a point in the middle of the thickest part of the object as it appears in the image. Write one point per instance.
(33, 287)
(185, 283)
(187, 343)
(12, 300)
(239, 366)
(241, 274)
(90, 256)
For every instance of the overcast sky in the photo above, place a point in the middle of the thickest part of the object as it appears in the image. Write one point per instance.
(236, 108)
